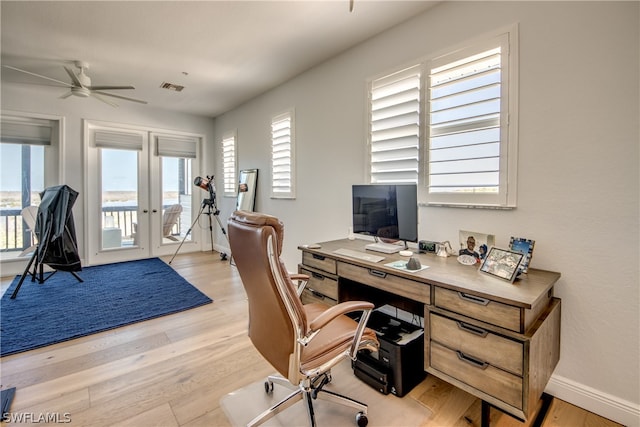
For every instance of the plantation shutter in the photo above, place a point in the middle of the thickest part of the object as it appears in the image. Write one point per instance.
(170, 146)
(229, 165)
(395, 127)
(282, 157)
(473, 116)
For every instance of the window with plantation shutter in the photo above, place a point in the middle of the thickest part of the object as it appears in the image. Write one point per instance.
(229, 164)
(471, 150)
(282, 157)
(394, 108)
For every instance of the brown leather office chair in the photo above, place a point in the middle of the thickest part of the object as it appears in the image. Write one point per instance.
(302, 342)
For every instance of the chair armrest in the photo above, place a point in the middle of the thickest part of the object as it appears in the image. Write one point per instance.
(302, 280)
(338, 310)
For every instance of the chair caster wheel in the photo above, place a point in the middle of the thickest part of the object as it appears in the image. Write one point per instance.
(268, 387)
(361, 419)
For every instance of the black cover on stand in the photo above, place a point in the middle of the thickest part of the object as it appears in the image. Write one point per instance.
(55, 228)
(56, 232)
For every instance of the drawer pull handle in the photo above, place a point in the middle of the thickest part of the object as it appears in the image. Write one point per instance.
(316, 256)
(474, 299)
(472, 361)
(317, 276)
(377, 273)
(472, 329)
(316, 294)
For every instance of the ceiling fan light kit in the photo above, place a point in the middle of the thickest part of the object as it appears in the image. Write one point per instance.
(81, 87)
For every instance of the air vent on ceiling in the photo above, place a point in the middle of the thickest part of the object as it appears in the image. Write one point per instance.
(171, 86)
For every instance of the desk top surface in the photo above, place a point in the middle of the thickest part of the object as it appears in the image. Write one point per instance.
(449, 273)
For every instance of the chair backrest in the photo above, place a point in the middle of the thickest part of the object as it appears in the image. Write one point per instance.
(276, 315)
(29, 215)
(170, 218)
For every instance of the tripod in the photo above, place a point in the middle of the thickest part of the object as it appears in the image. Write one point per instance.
(212, 209)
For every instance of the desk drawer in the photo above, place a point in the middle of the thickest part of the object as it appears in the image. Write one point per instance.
(308, 296)
(498, 351)
(320, 262)
(486, 310)
(478, 374)
(416, 291)
(322, 284)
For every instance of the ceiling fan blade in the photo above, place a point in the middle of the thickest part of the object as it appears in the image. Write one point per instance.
(66, 95)
(121, 97)
(74, 78)
(37, 75)
(106, 101)
(109, 87)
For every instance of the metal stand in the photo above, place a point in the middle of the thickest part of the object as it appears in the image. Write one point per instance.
(212, 209)
(38, 272)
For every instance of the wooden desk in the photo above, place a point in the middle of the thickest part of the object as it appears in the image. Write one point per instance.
(495, 340)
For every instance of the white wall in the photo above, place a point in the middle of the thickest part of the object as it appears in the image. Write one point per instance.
(45, 100)
(578, 186)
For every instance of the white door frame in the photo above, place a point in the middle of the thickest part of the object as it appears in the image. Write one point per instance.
(149, 215)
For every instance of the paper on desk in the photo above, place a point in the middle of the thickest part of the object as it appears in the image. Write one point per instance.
(402, 265)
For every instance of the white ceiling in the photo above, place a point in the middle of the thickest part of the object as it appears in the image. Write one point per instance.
(222, 52)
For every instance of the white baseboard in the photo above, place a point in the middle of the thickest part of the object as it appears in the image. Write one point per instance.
(603, 404)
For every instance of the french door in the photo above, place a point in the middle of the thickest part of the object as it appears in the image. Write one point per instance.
(139, 193)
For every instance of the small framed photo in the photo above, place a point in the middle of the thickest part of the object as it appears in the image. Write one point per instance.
(502, 263)
(519, 244)
(475, 244)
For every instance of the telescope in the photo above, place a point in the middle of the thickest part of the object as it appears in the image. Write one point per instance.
(206, 184)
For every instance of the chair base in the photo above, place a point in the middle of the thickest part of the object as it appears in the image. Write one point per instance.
(308, 391)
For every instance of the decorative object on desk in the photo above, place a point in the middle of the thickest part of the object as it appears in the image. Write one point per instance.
(406, 253)
(525, 246)
(502, 263)
(384, 409)
(467, 260)
(444, 249)
(403, 266)
(413, 264)
(247, 190)
(111, 296)
(351, 236)
(475, 244)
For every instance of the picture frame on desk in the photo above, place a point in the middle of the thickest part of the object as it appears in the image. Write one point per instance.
(502, 263)
(520, 244)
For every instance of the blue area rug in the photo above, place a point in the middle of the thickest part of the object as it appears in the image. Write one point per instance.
(111, 296)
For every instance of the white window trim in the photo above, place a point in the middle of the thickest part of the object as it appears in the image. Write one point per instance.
(291, 193)
(509, 132)
(507, 197)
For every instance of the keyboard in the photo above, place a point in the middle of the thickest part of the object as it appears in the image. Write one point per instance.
(358, 255)
(387, 248)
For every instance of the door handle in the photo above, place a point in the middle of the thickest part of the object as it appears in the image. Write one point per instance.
(145, 211)
(155, 210)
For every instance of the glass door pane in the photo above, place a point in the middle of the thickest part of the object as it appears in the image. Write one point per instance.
(176, 199)
(120, 198)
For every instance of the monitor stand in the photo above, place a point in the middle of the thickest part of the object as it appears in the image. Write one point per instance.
(386, 248)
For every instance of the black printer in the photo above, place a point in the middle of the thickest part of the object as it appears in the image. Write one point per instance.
(398, 365)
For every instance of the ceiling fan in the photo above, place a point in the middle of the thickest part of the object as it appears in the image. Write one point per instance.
(81, 85)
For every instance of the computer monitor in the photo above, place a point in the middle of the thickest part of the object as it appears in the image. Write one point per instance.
(386, 211)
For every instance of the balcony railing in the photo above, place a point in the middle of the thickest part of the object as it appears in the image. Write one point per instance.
(15, 235)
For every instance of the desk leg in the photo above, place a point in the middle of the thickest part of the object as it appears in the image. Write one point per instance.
(485, 417)
(485, 414)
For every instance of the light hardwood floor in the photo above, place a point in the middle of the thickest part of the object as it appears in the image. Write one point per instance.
(172, 371)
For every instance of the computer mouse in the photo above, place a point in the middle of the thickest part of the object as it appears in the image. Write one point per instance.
(413, 264)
